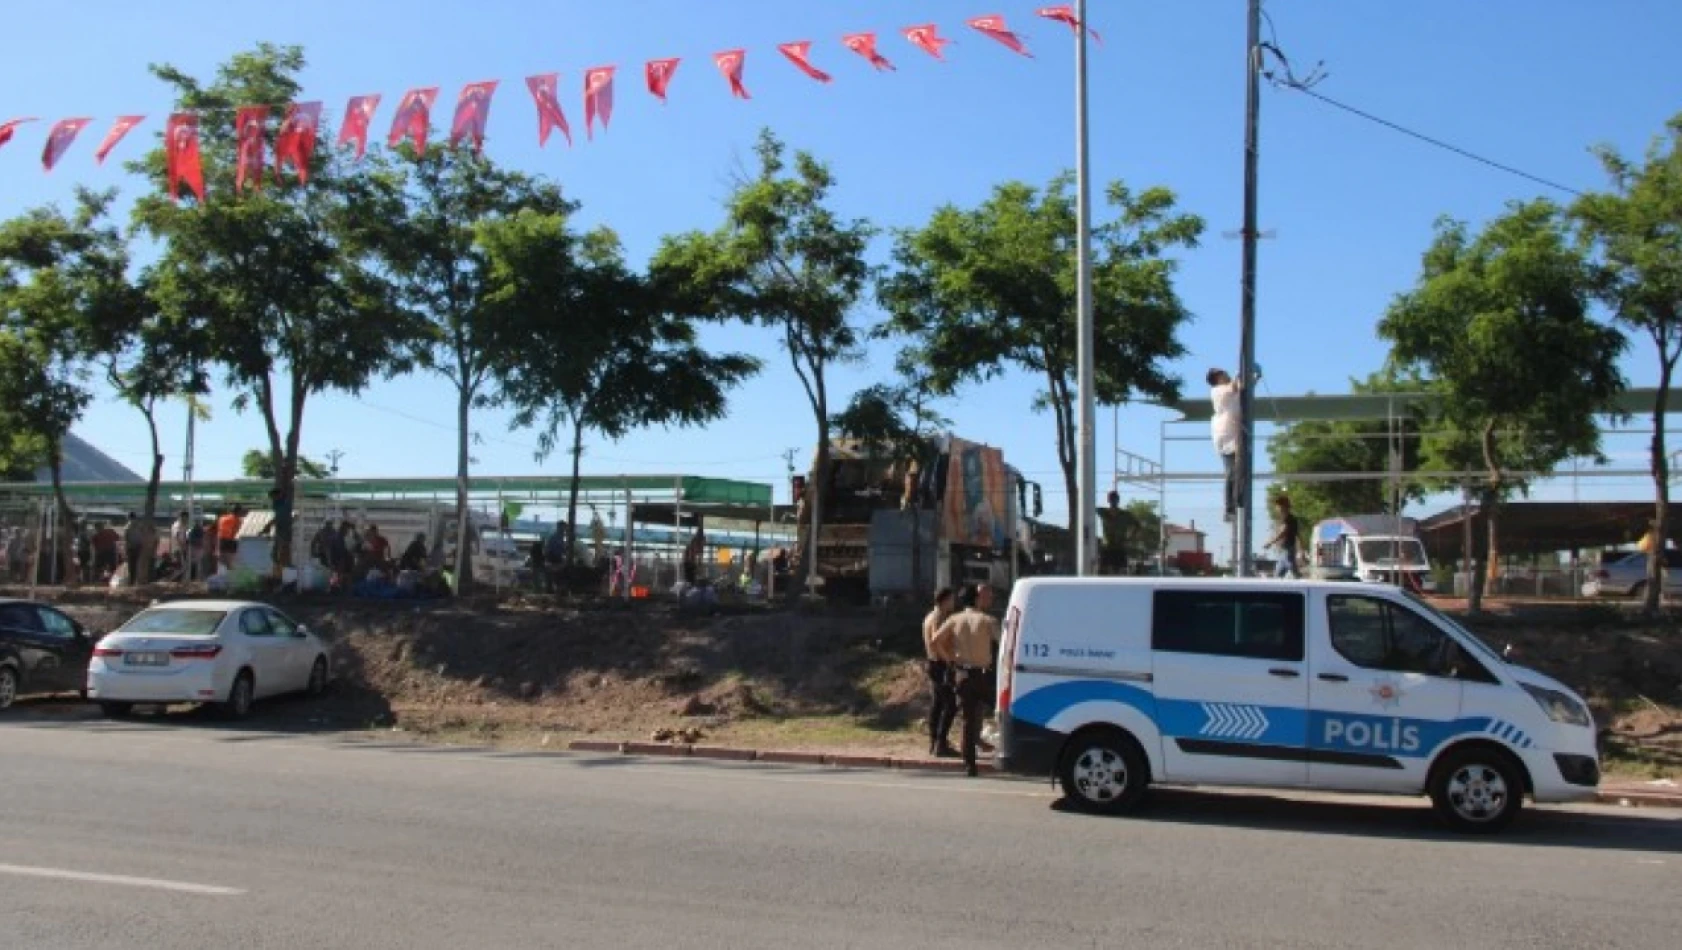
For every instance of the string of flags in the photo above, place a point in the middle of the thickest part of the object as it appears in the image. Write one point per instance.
(296, 137)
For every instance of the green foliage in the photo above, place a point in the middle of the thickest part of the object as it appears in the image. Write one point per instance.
(281, 288)
(1135, 528)
(1348, 447)
(1499, 322)
(257, 463)
(1635, 234)
(992, 287)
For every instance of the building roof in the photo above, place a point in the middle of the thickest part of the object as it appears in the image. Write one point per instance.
(1181, 529)
(1544, 527)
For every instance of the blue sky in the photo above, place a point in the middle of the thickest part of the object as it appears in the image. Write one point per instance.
(1532, 83)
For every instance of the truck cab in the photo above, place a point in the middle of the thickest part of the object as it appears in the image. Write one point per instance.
(1374, 549)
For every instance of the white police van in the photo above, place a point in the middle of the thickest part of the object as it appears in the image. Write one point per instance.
(1110, 684)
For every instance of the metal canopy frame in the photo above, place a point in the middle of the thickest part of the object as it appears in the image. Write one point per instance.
(1282, 411)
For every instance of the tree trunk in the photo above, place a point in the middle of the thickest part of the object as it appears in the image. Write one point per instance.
(1661, 491)
(285, 484)
(63, 548)
(572, 490)
(820, 477)
(464, 529)
(1468, 558)
(148, 516)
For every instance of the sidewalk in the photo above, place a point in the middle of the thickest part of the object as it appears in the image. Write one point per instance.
(1659, 794)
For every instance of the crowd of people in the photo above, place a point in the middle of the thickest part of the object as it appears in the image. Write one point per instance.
(363, 560)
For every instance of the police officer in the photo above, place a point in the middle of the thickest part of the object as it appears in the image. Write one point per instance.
(965, 641)
(943, 703)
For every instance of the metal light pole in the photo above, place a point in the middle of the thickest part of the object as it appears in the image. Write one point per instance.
(1247, 317)
(1086, 479)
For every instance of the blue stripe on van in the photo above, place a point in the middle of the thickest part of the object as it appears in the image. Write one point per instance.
(1266, 725)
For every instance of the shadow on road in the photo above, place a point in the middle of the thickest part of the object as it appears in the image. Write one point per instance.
(1535, 827)
(342, 709)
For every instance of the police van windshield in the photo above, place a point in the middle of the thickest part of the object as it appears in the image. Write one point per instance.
(1408, 551)
(1466, 636)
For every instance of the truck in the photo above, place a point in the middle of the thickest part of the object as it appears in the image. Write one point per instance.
(1382, 549)
(954, 512)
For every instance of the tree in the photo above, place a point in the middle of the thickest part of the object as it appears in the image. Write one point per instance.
(64, 295)
(258, 463)
(1356, 446)
(601, 352)
(984, 289)
(431, 246)
(1499, 322)
(785, 260)
(1635, 231)
(281, 285)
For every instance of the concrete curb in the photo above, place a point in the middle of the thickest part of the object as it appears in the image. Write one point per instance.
(1639, 798)
(774, 756)
(1622, 796)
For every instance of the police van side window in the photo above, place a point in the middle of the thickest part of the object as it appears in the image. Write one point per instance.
(1260, 626)
(1379, 635)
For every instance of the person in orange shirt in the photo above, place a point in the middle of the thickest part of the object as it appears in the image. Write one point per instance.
(227, 536)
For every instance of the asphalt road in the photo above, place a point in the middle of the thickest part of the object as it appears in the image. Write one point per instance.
(189, 836)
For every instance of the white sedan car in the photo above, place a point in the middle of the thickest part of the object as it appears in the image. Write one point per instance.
(223, 652)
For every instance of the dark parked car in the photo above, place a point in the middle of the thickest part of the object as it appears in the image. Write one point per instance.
(41, 651)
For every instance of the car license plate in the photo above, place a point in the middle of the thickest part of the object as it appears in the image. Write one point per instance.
(146, 659)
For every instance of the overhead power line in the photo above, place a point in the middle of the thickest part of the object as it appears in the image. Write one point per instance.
(1286, 78)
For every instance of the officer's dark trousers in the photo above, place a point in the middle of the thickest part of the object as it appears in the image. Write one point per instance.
(972, 705)
(943, 704)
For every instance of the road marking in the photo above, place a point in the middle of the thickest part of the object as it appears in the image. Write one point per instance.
(151, 882)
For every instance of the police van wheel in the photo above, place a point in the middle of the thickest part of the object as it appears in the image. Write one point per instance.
(1104, 771)
(1478, 790)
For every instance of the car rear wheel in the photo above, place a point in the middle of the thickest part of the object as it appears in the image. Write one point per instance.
(116, 710)
(1479, 790)
(1104, 771)
(8, 686)
(238, 704)
(318, 677)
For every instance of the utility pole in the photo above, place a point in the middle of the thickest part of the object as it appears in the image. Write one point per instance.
(1244, 555)
(1086, 478)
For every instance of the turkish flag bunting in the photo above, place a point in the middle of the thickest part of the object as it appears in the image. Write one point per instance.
(358, 114)
(250, 127)
(800, 54)
(660, 73)
(994, 26)
(549, 114)
(413, 119)
(1066, 14)
(296, 141)
(182, 164)
(58, 140)
(864, 44)
(927, 38)
(730, 64)
(473, 110)
(9, 128)
(598, 98)
(118, 129)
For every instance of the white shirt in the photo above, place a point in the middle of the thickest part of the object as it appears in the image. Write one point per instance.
(1224, 426)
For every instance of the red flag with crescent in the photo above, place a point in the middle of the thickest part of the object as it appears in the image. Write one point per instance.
(473, 110)
(119, 129)
(295, 142)
(413, 119)
(250, 129)
(730, 63)
(549, 115)
(659, 73)
(800, 54)
(994, 26)
(358, 115)
(864, 44)
(182, 164)
(1066, 14)
(598, 98)
(9, 128)
(928, 39)
(59, 139)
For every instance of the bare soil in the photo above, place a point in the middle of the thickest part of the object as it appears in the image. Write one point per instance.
(540, 672)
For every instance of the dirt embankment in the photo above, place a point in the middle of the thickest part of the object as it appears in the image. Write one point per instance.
(521, 671)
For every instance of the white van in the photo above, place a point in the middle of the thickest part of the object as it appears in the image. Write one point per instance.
(1110, 684)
